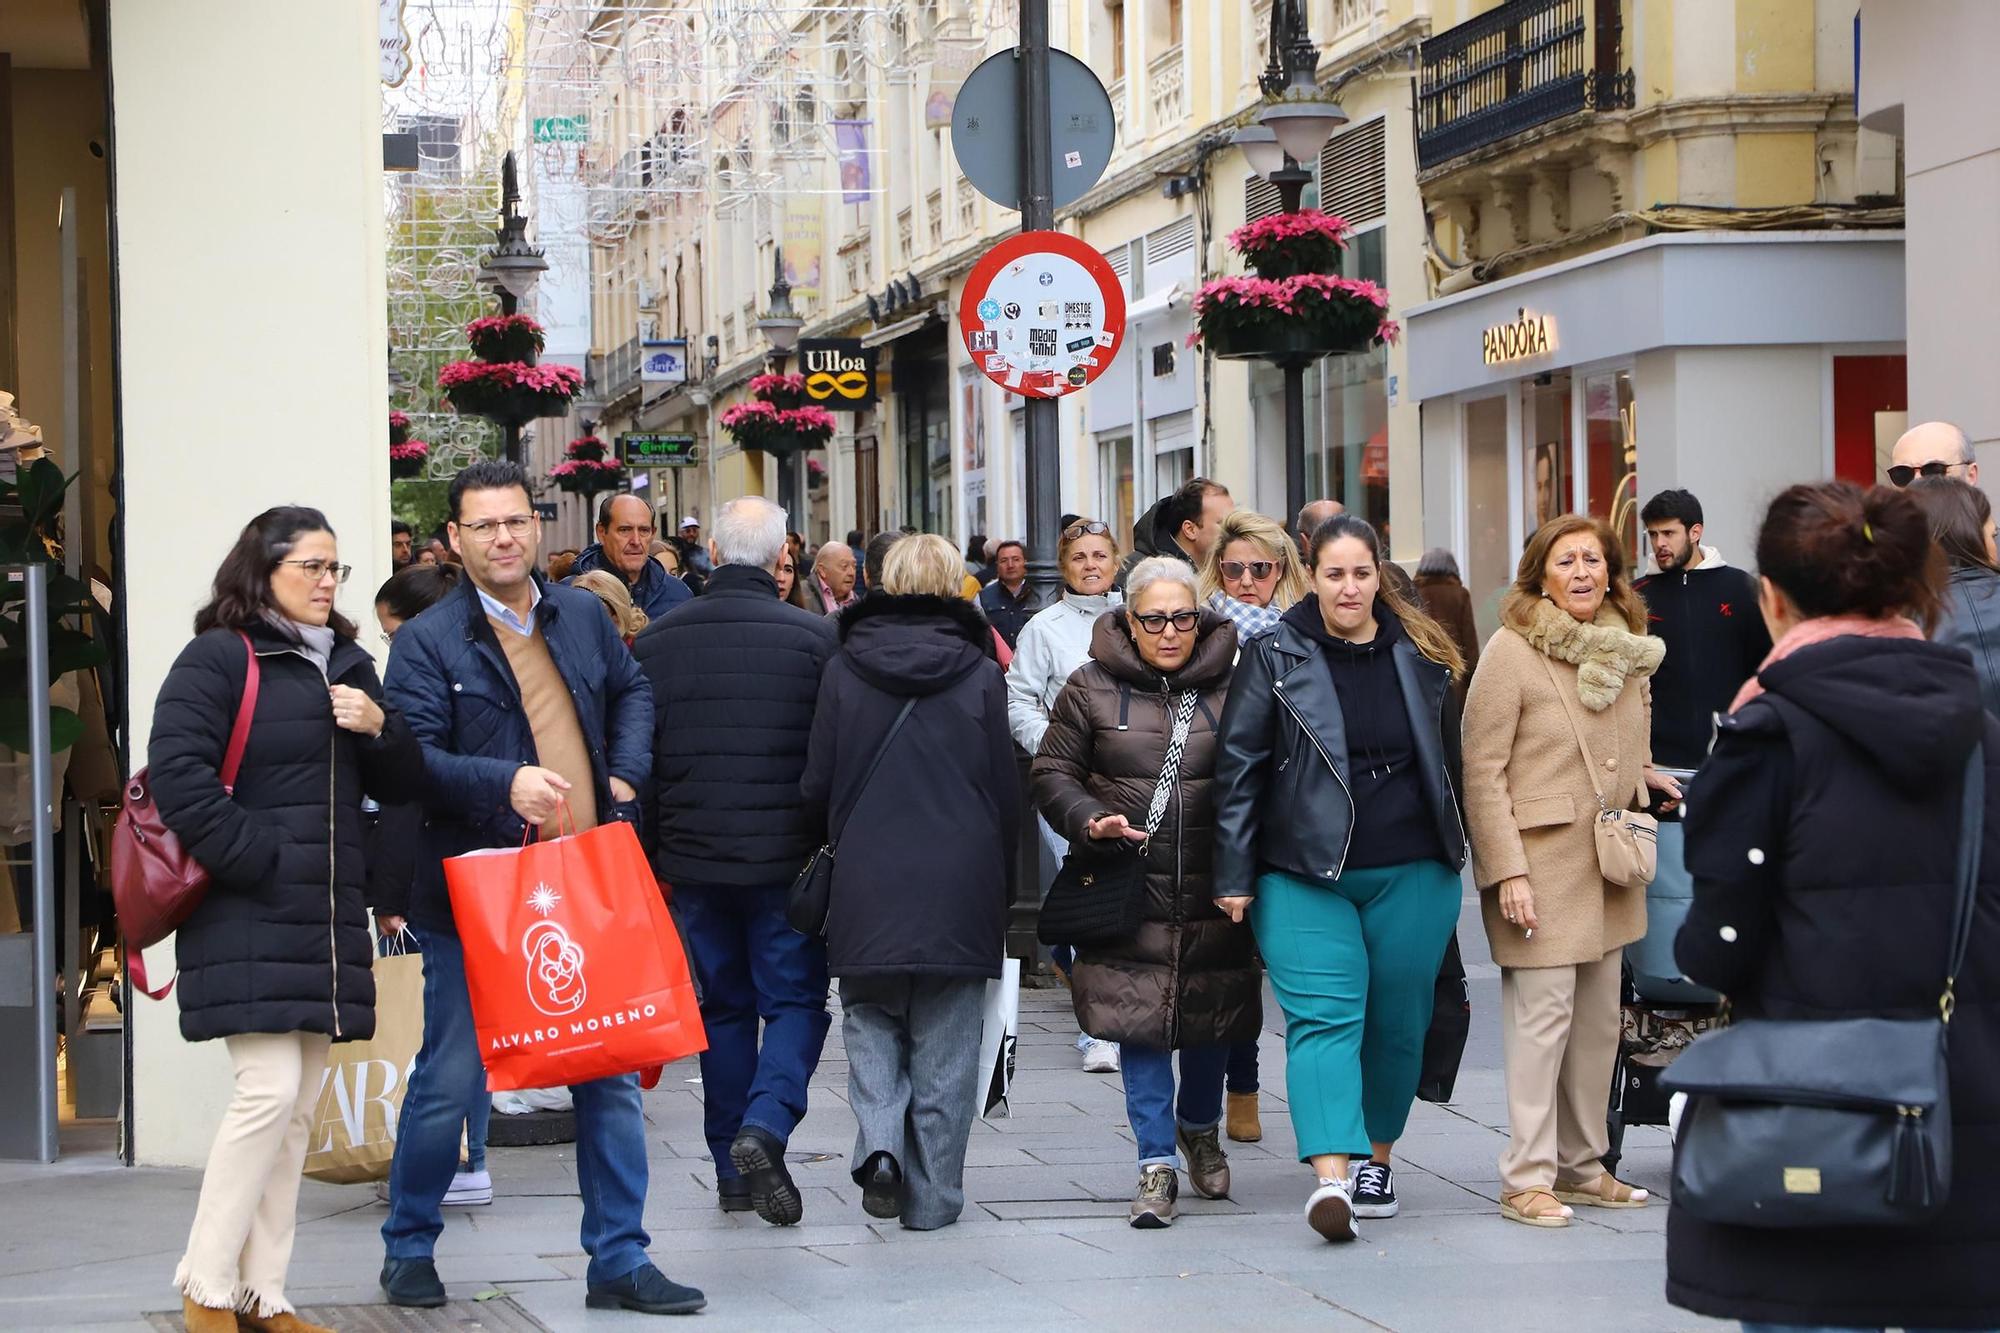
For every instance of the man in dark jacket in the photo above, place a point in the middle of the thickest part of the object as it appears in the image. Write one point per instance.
(1706, 612)
(524, 700)
(734, 678)
(624, 546)
(1008, 601)
(1182, 525)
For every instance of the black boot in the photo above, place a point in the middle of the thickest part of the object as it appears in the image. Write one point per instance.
(760, 1158)
(412, 1283)
(881, 1186)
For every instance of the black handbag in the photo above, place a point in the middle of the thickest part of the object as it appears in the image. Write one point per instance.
(811, 896)
(1097, 895)
(1827, 1123)
(1451, 1022)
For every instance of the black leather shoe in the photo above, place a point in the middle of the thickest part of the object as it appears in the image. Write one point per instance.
(646, 1290)
(413, 1283)
(882, 1186)
(760, 1159)
(733, 1195)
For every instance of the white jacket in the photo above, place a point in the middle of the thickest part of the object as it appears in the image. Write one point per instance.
(1054, 643)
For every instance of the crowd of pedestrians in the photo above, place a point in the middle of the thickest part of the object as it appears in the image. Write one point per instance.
(1303, 754)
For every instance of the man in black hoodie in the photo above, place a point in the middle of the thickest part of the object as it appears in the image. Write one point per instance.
(1707, 613)
(1182, 525)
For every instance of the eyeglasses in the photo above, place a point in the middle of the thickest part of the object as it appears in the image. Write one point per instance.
(319, 569)
(1902, 474)
(1076, 530)
(1259, 569)
(1156, 623)
(488, 529)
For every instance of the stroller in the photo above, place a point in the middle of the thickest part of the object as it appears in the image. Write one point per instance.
(1663, 1011)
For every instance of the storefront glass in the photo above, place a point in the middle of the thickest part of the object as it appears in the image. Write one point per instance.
(1545, 465)
(1114, 483)
(1489, 549)
(1611, 441)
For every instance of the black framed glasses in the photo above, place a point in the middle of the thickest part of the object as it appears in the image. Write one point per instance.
(319, 569)
(1086, 529)
(1156, 622)
(1259, 570)
(1903, 474)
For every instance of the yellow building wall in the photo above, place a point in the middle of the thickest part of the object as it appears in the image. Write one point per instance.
(1774, 169)
(1775, 42)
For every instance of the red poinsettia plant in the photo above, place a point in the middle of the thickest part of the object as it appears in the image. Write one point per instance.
(772, 419)
(505, 338)
(1295, 303)
(1286, 244)
(408, 458)
(783, 390)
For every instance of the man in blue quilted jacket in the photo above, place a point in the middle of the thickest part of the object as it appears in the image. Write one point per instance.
(524, 701)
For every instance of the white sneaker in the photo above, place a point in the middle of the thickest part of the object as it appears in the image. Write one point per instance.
(1330, 1210)
(469, 1189)
(1100, 1057)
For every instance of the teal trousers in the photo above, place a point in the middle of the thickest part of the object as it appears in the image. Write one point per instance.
(1354, 962)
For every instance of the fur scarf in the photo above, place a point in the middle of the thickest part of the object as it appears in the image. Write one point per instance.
(1605, 654)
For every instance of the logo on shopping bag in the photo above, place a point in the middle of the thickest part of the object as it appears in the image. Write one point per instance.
(555, 961)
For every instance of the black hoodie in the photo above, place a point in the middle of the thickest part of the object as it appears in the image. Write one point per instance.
(1822, 839)
(920, 879)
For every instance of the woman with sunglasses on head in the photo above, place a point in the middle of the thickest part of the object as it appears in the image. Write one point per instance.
(1131, 748)
(1054, 643)
(276, 961)
(1340, 836)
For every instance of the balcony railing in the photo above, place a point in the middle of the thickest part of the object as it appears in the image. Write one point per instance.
(621, 371)
(1524, 64)
(1166, 87)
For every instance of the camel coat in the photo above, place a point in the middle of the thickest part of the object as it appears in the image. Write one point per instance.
(1529, 801)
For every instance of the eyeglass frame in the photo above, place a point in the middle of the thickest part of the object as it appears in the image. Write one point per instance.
(527, 522)
(1247, 566)
(339, 571)
(1090, 528)
(1192, 615)
(1923, 470)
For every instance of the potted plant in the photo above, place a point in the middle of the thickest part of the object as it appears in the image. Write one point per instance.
(1311, 314)
(774, 420)
(510, 392)
(506, 338)
(585, 470)
(1285, 245)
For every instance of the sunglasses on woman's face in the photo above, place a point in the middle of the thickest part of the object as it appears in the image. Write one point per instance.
(1259, 570)
(1156, 623)
(1903, 474)
(1078, 530)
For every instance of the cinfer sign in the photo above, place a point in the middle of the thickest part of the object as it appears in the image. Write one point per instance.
(1519, 339)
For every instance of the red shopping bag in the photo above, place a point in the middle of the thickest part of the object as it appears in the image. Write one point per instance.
(575, 968)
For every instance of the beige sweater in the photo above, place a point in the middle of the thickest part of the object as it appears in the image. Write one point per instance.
(1529, 801)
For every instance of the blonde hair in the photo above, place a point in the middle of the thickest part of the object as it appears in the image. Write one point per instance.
(1270, 537)
(924, 565)
(1517, 610)
(617, 599)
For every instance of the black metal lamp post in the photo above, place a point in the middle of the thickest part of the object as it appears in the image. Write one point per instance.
(511, 269)
(780, 327)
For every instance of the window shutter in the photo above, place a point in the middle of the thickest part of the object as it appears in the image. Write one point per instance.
(1353, 173)
(1176, 238)
(1260, 199)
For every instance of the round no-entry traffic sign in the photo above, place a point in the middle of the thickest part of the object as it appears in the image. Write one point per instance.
(1042, 314)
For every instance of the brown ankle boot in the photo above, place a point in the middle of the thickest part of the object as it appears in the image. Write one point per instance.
(206, 1319)
(279, 1323)
(1243, 1125)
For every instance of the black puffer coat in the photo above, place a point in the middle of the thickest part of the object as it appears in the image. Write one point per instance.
(1972, 622)
(280, 944)
(1822, 837)
(1189, 977)
(920, 881)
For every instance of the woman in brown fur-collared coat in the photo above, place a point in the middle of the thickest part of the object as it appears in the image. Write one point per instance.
(1572, 651)
(1188, 981)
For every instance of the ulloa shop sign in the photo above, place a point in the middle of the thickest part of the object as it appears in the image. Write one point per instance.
(840, 373)
(1519, 339)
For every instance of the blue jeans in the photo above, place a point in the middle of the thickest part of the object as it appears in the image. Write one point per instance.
(480, 1117)
(1150, 1104)
(751, 966)
(447, 1083)
(1243, 1066)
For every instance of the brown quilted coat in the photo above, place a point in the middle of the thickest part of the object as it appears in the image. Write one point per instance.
(1189, 977)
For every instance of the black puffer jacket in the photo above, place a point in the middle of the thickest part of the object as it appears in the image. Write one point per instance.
(920, 881)
(1972, 622)
(280, 944)
(1822, 837)
(1189, 977)
(735, 676)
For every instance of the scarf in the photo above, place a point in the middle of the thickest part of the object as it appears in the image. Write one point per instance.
(1604, 653)
(1250, 621)
(316, 640)
(1818, 630)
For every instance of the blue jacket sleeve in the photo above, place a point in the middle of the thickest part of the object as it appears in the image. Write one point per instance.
(467, 786)
(628, 710)
(1247, 737)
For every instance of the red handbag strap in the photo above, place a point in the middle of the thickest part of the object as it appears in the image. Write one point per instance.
(135, 971)
(239, 734)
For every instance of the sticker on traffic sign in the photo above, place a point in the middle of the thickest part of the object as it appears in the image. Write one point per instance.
(1023, 286)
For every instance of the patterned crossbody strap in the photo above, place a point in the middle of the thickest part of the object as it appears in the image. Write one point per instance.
(1170, 767)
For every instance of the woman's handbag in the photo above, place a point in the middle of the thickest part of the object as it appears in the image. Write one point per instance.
(1841, 1122)
(155, 883)
(1627, 840)
(811, 896)
(1097, 894)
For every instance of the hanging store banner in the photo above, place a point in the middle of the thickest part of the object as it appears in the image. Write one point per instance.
(1043, 314)
(954, 60)
(850, 141)
(805, 238)
(840, 373)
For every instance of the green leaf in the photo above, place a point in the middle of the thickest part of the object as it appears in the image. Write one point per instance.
(65, 727)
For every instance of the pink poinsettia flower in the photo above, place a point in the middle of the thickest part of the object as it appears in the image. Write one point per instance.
(1278, 228)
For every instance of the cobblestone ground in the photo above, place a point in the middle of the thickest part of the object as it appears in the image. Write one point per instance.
(88, 1245)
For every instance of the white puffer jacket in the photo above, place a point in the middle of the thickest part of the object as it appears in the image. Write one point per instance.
(1054, 643)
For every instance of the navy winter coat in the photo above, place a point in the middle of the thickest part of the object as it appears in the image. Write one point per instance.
(280, 944)
(449, 676)
(657, 591)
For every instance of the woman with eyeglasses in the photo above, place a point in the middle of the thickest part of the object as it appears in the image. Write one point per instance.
(1132, 747)
(1961, 520)
(276, 961)
(1339, 834)
(1054, 643)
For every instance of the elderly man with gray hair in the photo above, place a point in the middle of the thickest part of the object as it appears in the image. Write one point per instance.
(735, 676)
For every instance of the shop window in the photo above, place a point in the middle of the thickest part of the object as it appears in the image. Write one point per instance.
(1114, 484)
(1490, 555)
(1546, 468)
(1612, 442)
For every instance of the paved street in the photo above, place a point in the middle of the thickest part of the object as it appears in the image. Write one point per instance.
(1043, 1244)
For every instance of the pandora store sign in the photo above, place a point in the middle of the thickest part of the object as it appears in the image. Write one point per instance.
(1518, 339)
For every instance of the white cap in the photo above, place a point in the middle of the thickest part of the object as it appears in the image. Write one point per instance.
(690, 521)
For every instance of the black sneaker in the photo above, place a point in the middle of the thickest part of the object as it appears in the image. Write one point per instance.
(760, 1158)
(882, 1186)
(412, 1283)
(1374, 1191)
(733, 1195)
(645, 1290)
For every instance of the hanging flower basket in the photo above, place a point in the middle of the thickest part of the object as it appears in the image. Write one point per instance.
(779, 390)
(408, 458)
(399, 427)
(505, 338)
(510, 392)
(1285, 245)
(587, 448)
(780, 431)
(587, 476)
(1304, 317)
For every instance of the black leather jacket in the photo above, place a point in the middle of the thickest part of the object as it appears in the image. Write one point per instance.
(1281, 773)
(1972, 622)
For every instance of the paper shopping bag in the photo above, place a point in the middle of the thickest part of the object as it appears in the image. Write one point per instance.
(999, 1033)
(361, 1094)
(575, 970)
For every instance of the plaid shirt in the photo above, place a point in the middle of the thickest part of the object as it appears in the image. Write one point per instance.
(1250, 621)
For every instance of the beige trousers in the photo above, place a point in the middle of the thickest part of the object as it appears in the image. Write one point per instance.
(1559, 1036)
(241, 1244)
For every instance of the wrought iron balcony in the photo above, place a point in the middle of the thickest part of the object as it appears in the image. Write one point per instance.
(621, 371)
(1524, 64)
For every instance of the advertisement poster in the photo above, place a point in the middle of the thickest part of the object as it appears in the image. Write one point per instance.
(850, 140)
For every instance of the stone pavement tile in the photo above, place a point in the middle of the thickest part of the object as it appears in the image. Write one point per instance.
(559, 1306)
(1036, 1260)
(1510, 1297)
(1206, 1301)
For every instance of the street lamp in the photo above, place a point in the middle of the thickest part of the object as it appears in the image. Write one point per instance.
(511, 269)
(780, 327)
